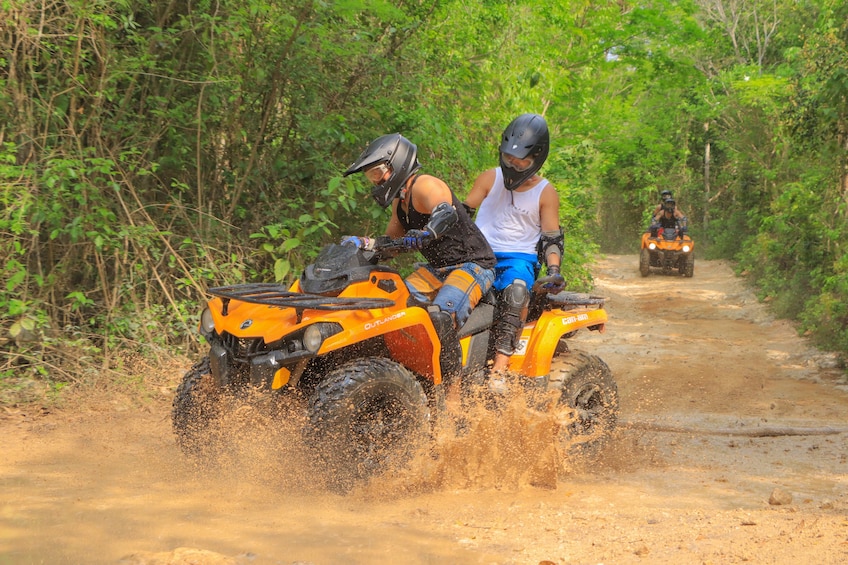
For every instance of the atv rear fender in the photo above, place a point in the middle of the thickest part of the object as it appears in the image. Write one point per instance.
(539, 340)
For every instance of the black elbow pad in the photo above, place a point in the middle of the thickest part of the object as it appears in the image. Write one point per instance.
(550, 242)
(442, 218)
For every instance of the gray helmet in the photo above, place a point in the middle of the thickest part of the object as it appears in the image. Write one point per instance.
(525, 137)
(397, 152)
(666, 194)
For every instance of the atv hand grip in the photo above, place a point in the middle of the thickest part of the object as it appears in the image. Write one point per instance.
(551, 284)
(399, 244)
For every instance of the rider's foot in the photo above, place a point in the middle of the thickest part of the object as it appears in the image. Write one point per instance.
(499, 382)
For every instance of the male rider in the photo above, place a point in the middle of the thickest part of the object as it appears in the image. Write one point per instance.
(519, 215)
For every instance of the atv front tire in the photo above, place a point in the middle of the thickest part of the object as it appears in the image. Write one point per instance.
(366, 417)
(194, 408)
(645, 262)
(689, 267)
(589, 396)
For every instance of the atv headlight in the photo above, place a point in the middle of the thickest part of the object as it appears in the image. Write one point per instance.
(685, 249)
(207, 324)
(652, 246)
(312, 338)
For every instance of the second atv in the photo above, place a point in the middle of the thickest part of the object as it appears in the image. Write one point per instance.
(668, 250)
(346, 343)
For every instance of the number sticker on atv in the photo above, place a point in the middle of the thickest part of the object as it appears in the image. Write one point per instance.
(521, 348)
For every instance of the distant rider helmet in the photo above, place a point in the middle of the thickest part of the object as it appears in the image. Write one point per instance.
(400, 156)
(524, 148)
(666, 195)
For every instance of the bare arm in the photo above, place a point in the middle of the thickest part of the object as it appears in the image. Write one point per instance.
(549, 216)
(480, 190)
(394, 229)
(428, 192)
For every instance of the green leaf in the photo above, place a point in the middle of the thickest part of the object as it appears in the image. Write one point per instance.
(281, 269)
(17, 278)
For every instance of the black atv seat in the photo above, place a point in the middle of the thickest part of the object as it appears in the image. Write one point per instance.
(481, 318)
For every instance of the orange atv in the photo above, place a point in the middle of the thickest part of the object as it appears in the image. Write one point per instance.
(366, 363)
(667, 249)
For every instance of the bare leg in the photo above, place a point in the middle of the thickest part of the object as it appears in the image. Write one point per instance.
(501, 362)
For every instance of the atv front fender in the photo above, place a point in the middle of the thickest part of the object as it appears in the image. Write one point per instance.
(408, 333)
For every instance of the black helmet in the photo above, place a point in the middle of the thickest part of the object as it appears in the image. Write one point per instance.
(526, 137)
(666, 194)
(669, 204)
(397, 152)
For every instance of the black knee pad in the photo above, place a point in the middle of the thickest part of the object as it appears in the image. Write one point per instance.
(451, 357)
(513, 312)
(442, 321)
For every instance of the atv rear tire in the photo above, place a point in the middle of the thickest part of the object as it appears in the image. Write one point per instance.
(193, 410)
(368, 416)
(590, 396)
(645, 262)
(689, 267)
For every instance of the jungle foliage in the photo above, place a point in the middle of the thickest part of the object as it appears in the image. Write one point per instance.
(149, 150)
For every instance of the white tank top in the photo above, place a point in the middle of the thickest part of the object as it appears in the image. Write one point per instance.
(510, 220)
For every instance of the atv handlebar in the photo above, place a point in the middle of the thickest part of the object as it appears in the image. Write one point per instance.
(384, 245)
(404, 243)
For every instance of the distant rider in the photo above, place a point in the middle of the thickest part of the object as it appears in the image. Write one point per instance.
(665, 196)
(667, 219)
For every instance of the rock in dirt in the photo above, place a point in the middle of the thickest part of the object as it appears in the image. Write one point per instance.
(780, 497)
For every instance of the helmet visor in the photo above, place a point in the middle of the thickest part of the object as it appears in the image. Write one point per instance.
(517, 164)
(376, 173)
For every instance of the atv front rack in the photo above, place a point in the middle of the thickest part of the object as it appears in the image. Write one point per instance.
(273, 294)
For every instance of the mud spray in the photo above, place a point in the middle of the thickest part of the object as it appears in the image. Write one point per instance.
(507, 442)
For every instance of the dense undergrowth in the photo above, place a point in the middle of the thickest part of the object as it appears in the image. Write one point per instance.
(151, 150)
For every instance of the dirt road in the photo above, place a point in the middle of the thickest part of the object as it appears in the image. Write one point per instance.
(728, 453)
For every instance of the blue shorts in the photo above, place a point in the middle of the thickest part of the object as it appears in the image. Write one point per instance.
(456, 289)
(513, 266)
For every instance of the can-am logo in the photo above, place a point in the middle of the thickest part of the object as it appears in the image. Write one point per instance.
(572, 319)
(377, 323)
(246, 324)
